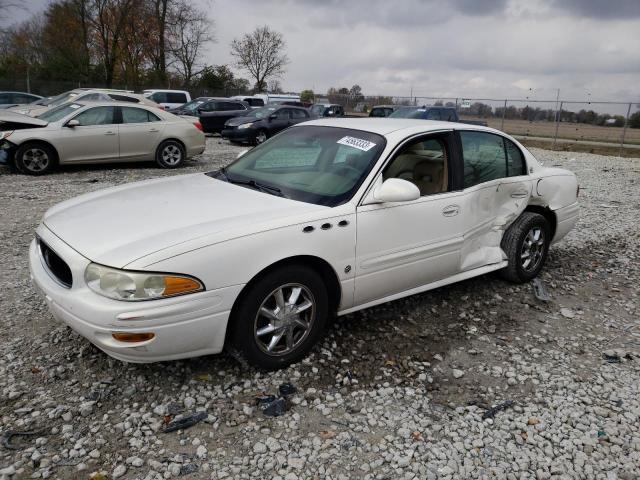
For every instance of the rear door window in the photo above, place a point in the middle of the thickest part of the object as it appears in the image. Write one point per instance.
(159, 97)
(484, 157)
(298, 114)
(137, 115)
(176, 97)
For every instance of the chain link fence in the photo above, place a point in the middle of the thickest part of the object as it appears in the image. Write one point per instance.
(555, 122)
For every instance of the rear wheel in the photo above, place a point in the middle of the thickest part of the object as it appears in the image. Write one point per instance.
(170, 154)
(279, 318)
(35, 158)
(526, 244)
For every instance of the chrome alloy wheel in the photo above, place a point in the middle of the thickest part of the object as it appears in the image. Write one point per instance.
(171, 155)
(261, 136)
(284, 319)
(532, 249)
(35, 159)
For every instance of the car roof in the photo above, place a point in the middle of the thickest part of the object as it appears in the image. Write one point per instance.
(385, 126)
(164, 90)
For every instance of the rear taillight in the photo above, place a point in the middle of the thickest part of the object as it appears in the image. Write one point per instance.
(198, 125)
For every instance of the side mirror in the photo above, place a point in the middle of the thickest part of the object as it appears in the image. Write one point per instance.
(73, 123)
(273, 116)
(393, 190)
(242, 152)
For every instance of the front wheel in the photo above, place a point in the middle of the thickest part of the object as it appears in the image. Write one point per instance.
(279, 318)
(170, 154)
(35, 158)
(261, 137)
(526, 243)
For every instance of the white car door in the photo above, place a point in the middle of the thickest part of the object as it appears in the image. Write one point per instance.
(496, 191)
(94, 139)
(139, 133)
(405, 245)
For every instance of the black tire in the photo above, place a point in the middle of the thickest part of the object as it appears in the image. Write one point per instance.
(246, 322)
(261, 136)
(171, 154)
(35, 158)
(520, 247)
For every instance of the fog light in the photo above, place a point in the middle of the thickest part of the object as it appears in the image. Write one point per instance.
(132, 337)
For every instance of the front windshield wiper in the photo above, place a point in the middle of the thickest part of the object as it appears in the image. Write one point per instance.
(253, 184)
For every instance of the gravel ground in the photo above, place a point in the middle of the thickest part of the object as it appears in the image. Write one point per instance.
(402, 390)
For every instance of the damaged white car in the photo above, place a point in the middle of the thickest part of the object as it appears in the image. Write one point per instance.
(328, 217)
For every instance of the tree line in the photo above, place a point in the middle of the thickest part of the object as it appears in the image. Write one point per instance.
(134, 43)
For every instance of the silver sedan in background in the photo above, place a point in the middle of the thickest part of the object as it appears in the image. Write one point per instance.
(97, 132)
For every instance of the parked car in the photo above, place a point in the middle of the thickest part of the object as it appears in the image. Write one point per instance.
(191, 107)
(263, 123)
(168, 99)
(277, 98)
(446, 114)
(328, 217)
(83, 95)
(214, 113)
(382, 110)
(12, 99)
(320, 110)
(97, 132)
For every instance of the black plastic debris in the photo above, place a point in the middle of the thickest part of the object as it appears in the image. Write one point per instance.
(275, 408)
(540, 290)
(188, 468)
(265, 400)
(491, 413)
(287, 389)
(185, 422)
(174, 408)
(611, 357)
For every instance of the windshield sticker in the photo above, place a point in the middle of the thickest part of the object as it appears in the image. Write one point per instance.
(358, 143)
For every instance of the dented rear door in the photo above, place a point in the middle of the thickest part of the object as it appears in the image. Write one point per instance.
(496, 190)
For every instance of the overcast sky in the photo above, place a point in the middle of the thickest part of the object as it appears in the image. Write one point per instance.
(465, 48)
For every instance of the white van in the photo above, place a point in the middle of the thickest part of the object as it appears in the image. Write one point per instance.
(168, 98)
(276, 98)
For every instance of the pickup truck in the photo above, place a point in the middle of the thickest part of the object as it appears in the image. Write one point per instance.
(447, 114)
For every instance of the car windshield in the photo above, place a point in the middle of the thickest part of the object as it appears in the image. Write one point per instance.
(408, 112)
(317, 110)
(263, 112)
(60, 99)
(58, 113)
(313, 164)
(193, 104)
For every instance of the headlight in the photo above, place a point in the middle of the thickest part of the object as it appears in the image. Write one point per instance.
(136, 286)
(245, 125)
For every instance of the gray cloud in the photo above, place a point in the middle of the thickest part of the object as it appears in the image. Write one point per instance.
(600, 9)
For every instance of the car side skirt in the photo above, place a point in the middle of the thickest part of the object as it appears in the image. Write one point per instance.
(429, 286)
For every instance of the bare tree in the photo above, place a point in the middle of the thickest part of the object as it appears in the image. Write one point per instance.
(261, 54)
(109, 20)
(189, 30)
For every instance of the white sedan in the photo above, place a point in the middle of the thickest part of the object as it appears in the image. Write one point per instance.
(328, 217)
(97, 132)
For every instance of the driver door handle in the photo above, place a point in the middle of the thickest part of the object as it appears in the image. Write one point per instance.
(520, 194)
(451, 210)
(110, 133)
(154, 130)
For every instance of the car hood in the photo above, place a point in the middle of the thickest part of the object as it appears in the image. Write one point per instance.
(19, 120)
(119, 225)
(234, 122)
(30, 110)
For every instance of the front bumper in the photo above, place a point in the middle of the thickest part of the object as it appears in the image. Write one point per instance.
(239, 135)
(185, 326)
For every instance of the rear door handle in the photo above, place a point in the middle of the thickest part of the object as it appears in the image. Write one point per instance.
(110, 133)
(154, 130)
(451, 210)
(519, 194)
